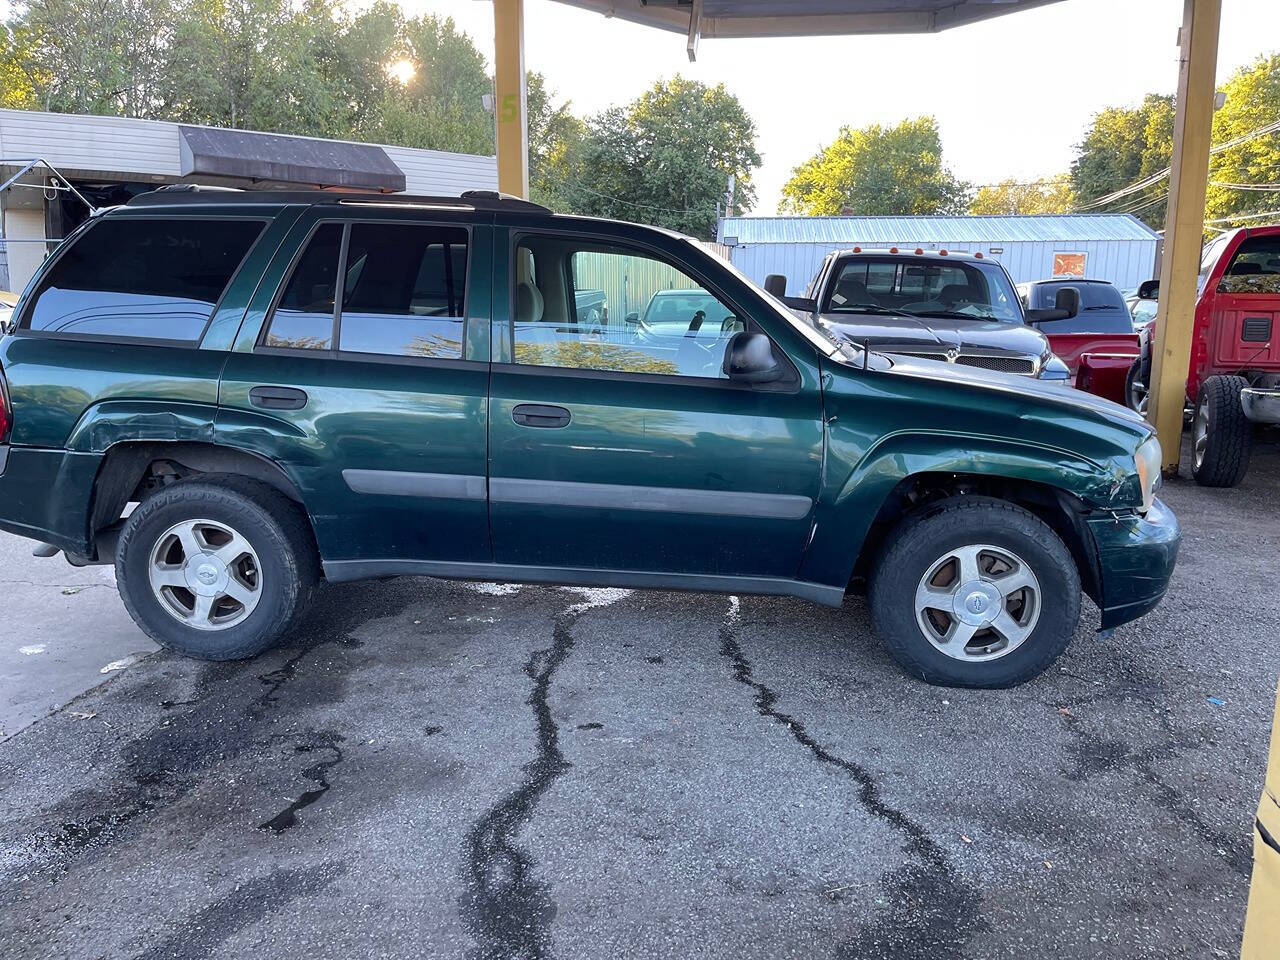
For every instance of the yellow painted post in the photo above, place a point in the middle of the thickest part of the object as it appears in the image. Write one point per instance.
(510, 97)
(1184, 223)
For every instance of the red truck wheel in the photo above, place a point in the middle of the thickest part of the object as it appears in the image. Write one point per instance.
(1220, 433)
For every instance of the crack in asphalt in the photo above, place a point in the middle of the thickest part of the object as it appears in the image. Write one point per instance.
(317, 773)
(508, 911)
(932, 912)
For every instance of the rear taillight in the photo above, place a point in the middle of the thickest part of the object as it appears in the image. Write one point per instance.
(6, 411)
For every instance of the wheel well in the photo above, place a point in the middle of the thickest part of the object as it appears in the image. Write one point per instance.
(1063, 513)
(132, 471)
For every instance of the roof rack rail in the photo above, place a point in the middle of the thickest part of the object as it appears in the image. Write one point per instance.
(172, 194)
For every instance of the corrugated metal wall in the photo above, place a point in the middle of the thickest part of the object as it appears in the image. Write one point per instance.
(627, 282)
(1126, 263)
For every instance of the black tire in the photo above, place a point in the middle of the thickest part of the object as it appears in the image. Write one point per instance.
(925, 536)
(275, 527)
(1221, 434)
(1133, 400)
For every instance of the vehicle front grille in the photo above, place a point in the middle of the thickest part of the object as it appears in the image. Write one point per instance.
(1005, 364)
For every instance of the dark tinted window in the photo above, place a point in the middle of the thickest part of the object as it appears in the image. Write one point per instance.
(404, 290)
(923, 286)
(1102, 309)
(1255, 268)
(303, 319)
(156, 279)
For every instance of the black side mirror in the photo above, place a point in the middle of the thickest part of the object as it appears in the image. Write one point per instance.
(633, 317)
(776, 284)
(1149, 290)
(749, 359)
(1065, 306)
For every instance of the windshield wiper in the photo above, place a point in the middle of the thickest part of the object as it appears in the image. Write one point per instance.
(862, 309)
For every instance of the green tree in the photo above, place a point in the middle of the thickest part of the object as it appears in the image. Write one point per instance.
(90, 56)
(666, 158)
(17, 86)
(1252, 101)
(555, 146)
(877, 170)
(1053, 195)
(1122, 146)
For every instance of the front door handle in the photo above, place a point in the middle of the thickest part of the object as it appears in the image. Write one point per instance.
(540, 415)
(278, 398)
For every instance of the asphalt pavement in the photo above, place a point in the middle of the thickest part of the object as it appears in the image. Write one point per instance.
(441, 769)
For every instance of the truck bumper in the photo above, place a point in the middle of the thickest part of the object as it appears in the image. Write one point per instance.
(44, 495)
(1261, 406)
(1136, 556)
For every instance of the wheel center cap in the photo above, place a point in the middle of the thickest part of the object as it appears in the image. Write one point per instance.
(206, 575)
(976, 602)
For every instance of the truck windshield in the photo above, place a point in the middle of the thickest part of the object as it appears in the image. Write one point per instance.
(924, 288)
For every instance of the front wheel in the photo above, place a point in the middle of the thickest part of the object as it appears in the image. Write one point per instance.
(216, 567)
(975, 592)
(1220, 433)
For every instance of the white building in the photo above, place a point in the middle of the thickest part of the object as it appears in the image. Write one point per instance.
(109, 159)
(1103, 246)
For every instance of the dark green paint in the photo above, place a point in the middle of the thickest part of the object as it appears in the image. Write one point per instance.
(841, 435)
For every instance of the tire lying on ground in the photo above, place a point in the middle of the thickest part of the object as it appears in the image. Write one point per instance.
(975, 592)
(1221, 434)
(216, 567)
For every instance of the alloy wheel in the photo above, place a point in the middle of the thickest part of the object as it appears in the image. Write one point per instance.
(205, 574)
(978, 602)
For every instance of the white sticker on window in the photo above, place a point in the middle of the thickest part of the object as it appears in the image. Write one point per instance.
(838, 299)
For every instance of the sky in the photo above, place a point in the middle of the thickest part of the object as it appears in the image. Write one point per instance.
(1011, 95)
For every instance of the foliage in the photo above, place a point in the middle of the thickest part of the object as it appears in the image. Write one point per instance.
(877, 170)
(1122, 146)
(555, 146)
(1253, 101)
(17, 89)
(666, 158)
(1053, 195)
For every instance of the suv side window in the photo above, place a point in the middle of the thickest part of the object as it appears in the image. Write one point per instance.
(402, 291)
(142, 278)
(638, 314)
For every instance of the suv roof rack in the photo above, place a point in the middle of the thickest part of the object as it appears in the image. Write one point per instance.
(176, 194)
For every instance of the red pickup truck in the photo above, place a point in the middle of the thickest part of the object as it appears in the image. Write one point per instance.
(1233, 384)
(1099, 343)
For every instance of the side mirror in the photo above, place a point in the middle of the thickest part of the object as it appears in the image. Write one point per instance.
(1149, 290)
(805, 304)
(633, 317)
(749, 359)
(776, 284)
(1065, 306)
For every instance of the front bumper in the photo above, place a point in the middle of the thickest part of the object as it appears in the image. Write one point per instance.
(1261, 406)
(1136, 556)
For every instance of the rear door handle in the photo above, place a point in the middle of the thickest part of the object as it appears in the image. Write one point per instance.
(540, 415)
(278, 398)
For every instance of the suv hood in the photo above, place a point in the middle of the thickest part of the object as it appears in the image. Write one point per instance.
(888, 332)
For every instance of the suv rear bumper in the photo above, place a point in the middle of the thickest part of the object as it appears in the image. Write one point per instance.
(45, 495)
(1136, 557)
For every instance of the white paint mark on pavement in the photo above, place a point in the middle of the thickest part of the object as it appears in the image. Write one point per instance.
(595, 597)
(122, 663)
(30, 650)
(495, 589)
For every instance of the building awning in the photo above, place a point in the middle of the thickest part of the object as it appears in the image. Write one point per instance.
(245, 155)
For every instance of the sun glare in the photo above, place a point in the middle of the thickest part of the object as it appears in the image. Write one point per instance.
(401, 71)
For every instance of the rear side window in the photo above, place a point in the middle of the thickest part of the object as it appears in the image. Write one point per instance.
(1255, 267)
(402, 291)
(142, 278)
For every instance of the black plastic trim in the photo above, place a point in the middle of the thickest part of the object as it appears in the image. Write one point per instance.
(343, 570)
(403, 483)
(618, 496)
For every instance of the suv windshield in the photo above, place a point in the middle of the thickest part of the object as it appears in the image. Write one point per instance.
(924, 288)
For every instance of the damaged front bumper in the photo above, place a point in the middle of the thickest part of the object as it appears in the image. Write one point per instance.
(1136, 556)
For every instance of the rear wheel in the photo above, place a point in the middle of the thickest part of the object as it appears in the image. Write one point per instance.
(975, 592)
(1135, 390)
(216, 567)
(1220, 433)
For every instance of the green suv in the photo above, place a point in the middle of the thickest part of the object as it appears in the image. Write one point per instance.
(231, 395)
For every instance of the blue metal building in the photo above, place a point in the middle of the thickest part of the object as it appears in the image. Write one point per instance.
(1103, 246)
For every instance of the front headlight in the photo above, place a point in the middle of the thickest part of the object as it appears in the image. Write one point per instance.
(1052, 368)
(1147, 461)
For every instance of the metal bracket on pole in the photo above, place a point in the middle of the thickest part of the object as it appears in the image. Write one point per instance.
(26, 165)
(695, 30)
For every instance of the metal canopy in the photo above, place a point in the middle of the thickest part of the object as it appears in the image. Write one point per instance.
(794, 18)
(244, 155)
